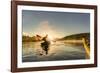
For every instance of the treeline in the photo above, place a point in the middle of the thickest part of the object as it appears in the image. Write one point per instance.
(70, 37)
(77, 36)
(31, 39)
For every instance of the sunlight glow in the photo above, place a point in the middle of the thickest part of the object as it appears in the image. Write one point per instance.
(44, 29)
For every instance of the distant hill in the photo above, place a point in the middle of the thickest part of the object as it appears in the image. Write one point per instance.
(70, 37)
(76, 36)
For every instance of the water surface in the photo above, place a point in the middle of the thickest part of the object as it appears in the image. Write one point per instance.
(32, 52)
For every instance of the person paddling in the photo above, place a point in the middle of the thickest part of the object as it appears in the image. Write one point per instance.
(45, 45)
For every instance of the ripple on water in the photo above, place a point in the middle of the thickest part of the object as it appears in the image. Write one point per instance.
(32, 52)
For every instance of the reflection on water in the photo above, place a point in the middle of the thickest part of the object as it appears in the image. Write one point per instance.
(58, 51)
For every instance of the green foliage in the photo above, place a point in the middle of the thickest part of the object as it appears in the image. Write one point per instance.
(77, 36)
(28, 39)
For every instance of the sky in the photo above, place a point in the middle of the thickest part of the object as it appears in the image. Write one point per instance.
(57, 24)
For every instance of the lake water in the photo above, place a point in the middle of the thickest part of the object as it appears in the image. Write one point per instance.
(33, 52)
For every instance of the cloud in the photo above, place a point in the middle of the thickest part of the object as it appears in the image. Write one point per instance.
(46, 28)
